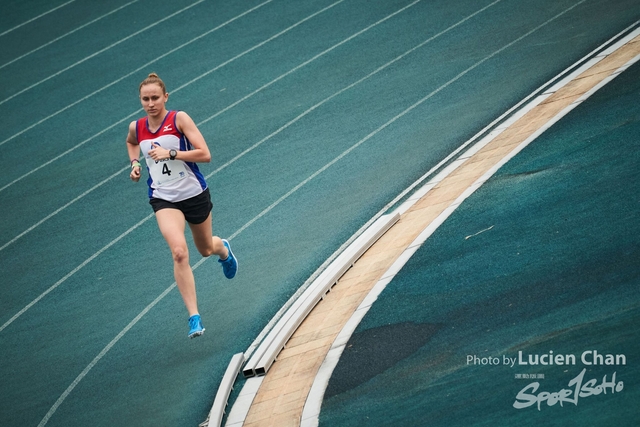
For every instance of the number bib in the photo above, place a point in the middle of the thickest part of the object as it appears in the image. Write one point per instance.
(167, 172)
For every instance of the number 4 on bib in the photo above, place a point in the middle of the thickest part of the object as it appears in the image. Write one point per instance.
(167, 172)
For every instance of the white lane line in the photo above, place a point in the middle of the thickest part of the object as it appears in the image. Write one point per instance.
(57, 211)
(67, 34)
(93, 55)
(74, 271)
(352, 85)
(125, 76)
(122, 78)
(59, 156)
(286, 30)
(139, 110)
(37, 17)
(307, 62)
(104, 351)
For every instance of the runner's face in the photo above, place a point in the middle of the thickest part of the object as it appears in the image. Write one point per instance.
(153, 99)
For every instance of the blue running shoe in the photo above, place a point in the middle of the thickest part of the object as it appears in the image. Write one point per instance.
(195, 324)
(229, 265)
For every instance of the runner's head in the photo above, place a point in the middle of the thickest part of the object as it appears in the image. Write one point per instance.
(153, 96)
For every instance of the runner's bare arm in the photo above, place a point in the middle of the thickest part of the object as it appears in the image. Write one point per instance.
(134, 152)
(200, 152)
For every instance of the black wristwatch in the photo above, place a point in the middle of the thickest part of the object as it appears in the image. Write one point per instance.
(172, 154)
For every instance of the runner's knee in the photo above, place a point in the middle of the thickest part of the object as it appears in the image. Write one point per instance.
(207, 251)
(180, 254)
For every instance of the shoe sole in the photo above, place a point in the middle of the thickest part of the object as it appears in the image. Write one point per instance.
(196, 334)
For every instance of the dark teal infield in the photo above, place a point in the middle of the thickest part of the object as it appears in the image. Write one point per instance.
(318, 113)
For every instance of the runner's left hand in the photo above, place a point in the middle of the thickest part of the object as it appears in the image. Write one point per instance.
(158, 153)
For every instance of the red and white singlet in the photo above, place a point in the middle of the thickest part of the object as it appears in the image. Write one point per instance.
(171, 180)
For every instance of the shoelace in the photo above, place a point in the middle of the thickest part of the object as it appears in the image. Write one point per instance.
(194, 322)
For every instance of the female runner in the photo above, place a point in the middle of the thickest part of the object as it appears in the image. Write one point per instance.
(172, 145)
